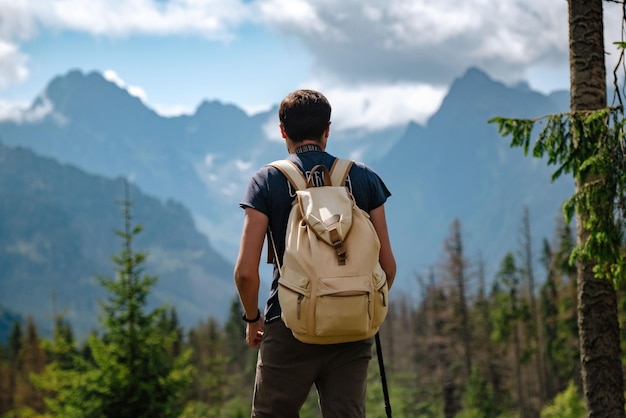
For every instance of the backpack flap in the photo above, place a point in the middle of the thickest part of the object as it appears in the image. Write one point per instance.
(327, 211)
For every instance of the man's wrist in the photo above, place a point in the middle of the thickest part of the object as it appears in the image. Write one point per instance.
(255, 319)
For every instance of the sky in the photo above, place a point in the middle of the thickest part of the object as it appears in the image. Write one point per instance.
(381, 63)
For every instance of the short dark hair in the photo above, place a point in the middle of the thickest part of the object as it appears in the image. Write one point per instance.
(304, 114)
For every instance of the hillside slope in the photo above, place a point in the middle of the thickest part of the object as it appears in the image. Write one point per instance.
(58, 226)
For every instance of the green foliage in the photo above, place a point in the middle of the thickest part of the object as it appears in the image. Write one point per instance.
(590, 146)
(84, 382)
(236, 408)
(7, 321)
(567, 404)
(505, 312)
(479, 400)
(133, 371)
(15, 341)
(22, 412)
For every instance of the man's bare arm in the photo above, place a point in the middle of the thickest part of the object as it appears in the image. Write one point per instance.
(387, 260)
(246, 272)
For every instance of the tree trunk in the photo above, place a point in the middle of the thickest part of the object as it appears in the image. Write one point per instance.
(456, 268)
(517, 351)
(535, 314)
(601, 369)
(460, 277)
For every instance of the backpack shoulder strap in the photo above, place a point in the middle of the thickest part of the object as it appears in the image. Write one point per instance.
(292, 172)
(339, 171)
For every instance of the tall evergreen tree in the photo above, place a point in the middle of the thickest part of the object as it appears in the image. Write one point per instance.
(428, 343)
(588, 142)
(603, 380)
(7, 386)
(15, 341)
(455, 268)
(31, 360)
(442, 347)
(536, 336)
(507, 314)
(558, 302)
(487, 369)
(9, 367)
(209, 388)
(133, 373)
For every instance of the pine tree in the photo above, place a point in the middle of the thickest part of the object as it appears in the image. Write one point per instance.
(15, 342)
(558, 306)
(209, 388)
(588, 142)
(507, 315)
(241, 361)
(31, 359)
(536, 336)
(133, 373)
(8, 368)
(455, 269)
(603, 380)
(427, 367)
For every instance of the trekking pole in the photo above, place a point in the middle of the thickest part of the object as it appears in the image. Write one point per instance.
(383, 378)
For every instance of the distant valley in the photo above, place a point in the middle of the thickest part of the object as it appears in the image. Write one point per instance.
(83, 133)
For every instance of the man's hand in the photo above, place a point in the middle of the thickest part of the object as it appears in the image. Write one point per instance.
(254, 333)
(247, 271)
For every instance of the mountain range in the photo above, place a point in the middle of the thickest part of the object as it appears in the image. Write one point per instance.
(455, 166)
(57, 236)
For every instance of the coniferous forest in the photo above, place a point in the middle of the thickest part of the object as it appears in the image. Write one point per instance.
(464, 345)
(526, 340)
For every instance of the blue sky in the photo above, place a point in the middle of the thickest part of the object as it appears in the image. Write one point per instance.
(176, 71)
(381, 63)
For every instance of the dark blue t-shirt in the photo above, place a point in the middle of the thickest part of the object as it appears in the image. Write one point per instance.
(270, 192)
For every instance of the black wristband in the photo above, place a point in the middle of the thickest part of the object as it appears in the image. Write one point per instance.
(250, 321)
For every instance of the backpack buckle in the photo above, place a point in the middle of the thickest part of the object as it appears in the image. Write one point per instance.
(337, 244)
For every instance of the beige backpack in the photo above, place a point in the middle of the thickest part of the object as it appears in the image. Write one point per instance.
(331, 287)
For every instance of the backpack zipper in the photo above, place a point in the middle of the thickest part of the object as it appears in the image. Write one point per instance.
(300, 297)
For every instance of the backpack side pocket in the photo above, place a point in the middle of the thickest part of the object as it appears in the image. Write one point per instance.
(294, 296)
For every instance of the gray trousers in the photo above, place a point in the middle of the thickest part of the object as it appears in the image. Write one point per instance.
(287, 369)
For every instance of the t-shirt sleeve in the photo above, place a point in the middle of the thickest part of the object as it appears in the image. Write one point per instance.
(257, 194)
(369, 189)
(379, 191)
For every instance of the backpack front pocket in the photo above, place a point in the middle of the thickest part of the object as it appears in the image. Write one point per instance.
(342, 306)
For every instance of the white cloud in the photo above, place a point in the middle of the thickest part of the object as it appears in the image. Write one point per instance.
(377, 58)
(114, 78)
(134, 91)
(10, 111)
(372, 107)
(138, 92)
(214, 19)
(271, 129)
(243, 165)
(13, 67)
(378, 106)
(208, 160)
(21, 113)
(171, 110)
(431, 41)
(295, 15)
(19, 19)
